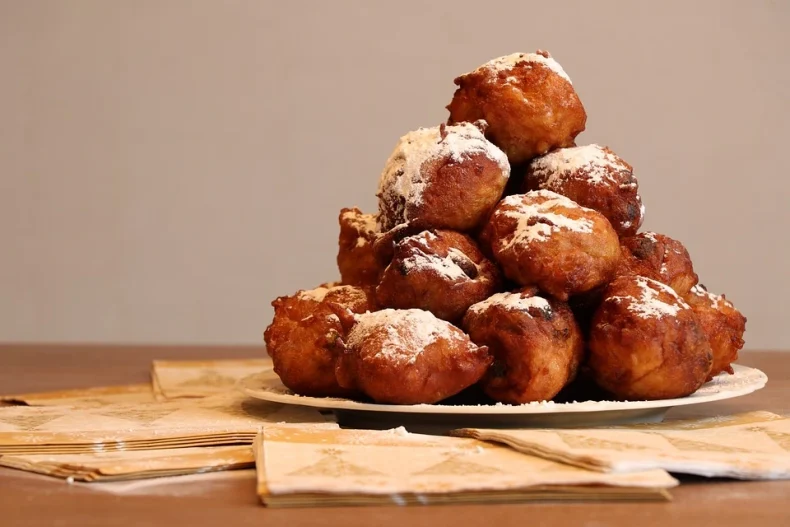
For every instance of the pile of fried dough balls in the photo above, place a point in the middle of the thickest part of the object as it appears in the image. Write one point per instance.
(505, 259)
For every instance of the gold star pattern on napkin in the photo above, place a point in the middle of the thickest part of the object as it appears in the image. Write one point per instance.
(194, 379)
(753, 445)
(225, 419)
(297, 466)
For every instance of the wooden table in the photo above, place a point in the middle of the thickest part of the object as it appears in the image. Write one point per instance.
(27, 499)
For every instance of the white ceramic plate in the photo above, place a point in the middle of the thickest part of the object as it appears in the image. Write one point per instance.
(267, 386)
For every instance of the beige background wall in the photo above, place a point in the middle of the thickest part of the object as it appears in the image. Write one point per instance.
(168, 167)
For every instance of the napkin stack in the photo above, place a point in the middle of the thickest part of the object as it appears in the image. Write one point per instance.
(188, 420)
(100, 396)
(218, 420)
(298, 467)
(169, 380)
(754, 446)
(122, 466)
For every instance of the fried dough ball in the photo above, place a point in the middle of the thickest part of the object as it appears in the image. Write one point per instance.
(722, 324)
(301, 337)
(439, 271)
(544, 239)
(384, 246)
(594, 177)
(528, 101)
(409, 357)
(646, 342)
(536, 344)
(658, 257)
(355, 257)
(445, 177)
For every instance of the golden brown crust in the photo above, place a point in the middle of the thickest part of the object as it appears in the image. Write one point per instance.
(302, 336)
(530, 108)
(439, 271)
(722, 324)
(447, 177)
(659, 257)
(409, 357)
(544, 239)
(356, 258)
(536, 344)
(646, 343)
(594, 177)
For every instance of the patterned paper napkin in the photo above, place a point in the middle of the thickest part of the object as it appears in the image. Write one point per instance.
(225, 419)
(119, 466)
(169, 380)
(101, 396)
(192, 379)
(753, 445)
(318, 467)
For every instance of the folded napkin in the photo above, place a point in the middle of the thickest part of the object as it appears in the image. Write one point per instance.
(753, 445)
(100, 396)
(169, 380)
(300, 466)
(192, 379)
(225, 419)
(121, 466)
(194, 485)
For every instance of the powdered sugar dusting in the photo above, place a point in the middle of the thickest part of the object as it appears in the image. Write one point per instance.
(319, 293)
(653, 237)
(716, 301)
(650, 236)
(627, 224)
(512, 301)
(592, 161)
(537, 221)
(444, 266)
(649, 304)
(406, 333)
(422, 239)
(399, 431)
(508, 62)
(365, 224)
(403, 181)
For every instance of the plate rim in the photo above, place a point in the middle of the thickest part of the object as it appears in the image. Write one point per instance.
(550, 407)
